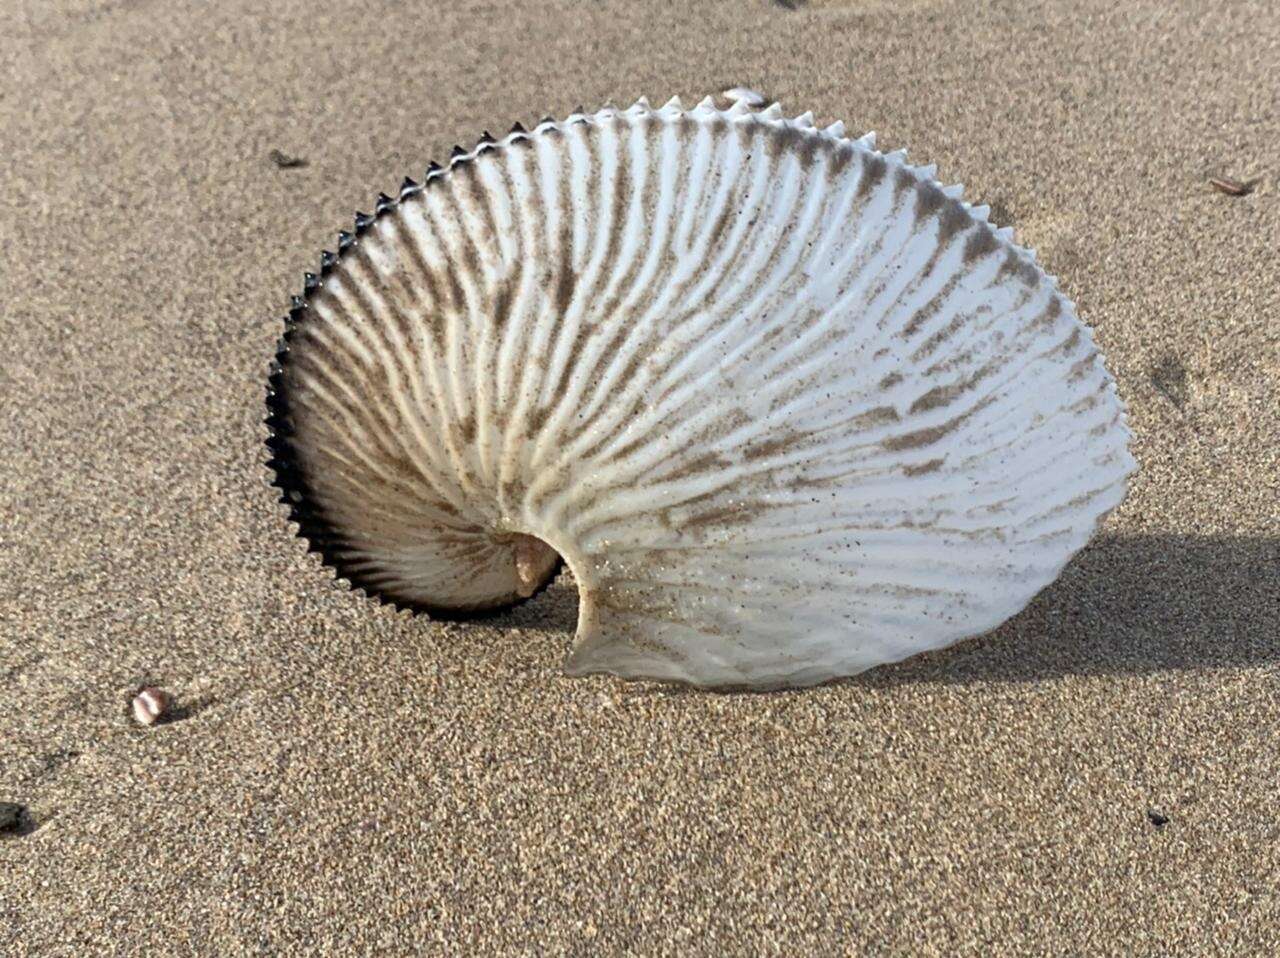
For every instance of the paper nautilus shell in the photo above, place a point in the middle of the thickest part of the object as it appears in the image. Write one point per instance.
(787, 407)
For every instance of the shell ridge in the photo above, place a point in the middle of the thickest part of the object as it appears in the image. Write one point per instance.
(557, 228)
(903, 188)
(629, 258)
(748, 206)
(422, 236)
(584, 445)
(521, 346)
(502, 273)
(839, 233)
(594, 269)
(559, 410)
(388, 348)
(603, 250)
(424, 375)
(521, 290)
(763, 267)
(935, 305)
(363, 300)
(577, 452)
(656, 243)
(777, 269)
(661, 262)
(331, 408)
(454, 242)
(536, 173)
(572, 295)
(480, 234)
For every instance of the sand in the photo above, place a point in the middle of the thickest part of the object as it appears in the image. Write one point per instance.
(342, 778)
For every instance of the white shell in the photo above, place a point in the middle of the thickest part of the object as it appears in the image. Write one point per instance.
(150, 705)
(785, 406)
(744, 95)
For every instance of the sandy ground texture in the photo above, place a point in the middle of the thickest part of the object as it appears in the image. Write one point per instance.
(342, 779)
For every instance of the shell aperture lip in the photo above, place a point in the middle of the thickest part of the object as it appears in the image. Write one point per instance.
(787, 406)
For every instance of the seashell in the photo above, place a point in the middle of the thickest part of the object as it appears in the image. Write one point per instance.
(786, 406)
(150, 705)
(741, 94)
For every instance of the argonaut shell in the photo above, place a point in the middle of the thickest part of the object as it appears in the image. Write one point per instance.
(787, 407)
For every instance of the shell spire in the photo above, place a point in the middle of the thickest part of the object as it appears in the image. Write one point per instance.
(785, 418)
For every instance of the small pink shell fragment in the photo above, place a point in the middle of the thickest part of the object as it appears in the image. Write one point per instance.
(150, 705)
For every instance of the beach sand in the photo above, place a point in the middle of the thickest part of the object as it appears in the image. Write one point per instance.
(344, 778)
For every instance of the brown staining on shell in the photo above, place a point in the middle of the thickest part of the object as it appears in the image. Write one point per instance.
(929, 309)
(1047, 316)
(880, 416)
(773, 447)
(944, 395)
(839, 155)
(698, 464)
(405, 247)
(929, 201)
(457, 299)
(537, 421)
(935, 397)
(952, 221)
(726, 216)
(501, 311)
(874, 168)
(566, 278)
(905, 181)
(780, 140)
(1082, 367)
(1072, 341)
(738, 514)
(924, 468)
(467, 429)
(981, 243)
(928, 436)
(1018, 266)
